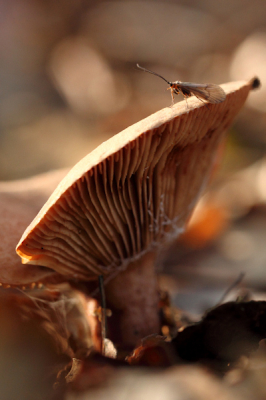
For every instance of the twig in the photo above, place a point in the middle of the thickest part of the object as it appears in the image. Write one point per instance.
(231, 287)
(103, 311)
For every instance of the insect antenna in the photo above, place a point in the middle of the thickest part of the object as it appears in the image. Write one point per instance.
(154, 73)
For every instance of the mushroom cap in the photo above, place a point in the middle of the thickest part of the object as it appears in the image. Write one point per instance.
(133, 192)
(20, 201)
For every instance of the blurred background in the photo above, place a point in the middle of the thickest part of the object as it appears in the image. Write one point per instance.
(69, 81)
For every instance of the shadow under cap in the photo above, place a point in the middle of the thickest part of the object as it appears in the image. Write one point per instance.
(132, 194)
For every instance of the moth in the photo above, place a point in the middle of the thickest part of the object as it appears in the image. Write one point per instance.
(203, 91)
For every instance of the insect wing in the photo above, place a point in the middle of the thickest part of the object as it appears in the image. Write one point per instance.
(210, 92)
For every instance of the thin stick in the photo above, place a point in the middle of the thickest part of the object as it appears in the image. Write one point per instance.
(231, 287)
(103, 311)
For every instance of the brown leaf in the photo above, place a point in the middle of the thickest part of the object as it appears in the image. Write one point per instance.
(224, 334)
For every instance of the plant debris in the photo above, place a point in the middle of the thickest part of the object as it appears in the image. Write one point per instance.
(225, 333)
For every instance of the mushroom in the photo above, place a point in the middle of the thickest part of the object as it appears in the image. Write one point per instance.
(19, 202)
(120, 204)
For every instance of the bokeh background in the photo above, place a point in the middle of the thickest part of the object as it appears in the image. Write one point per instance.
(69, 80)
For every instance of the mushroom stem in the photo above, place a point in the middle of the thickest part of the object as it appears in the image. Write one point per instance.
(133, 298)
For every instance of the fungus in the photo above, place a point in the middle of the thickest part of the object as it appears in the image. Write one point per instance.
(120, 204)
(19, 202)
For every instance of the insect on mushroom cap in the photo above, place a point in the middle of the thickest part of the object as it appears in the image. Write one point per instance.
(133, 192)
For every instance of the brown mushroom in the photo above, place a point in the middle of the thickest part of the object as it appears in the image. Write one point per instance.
(19, 203)
(119, 204)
